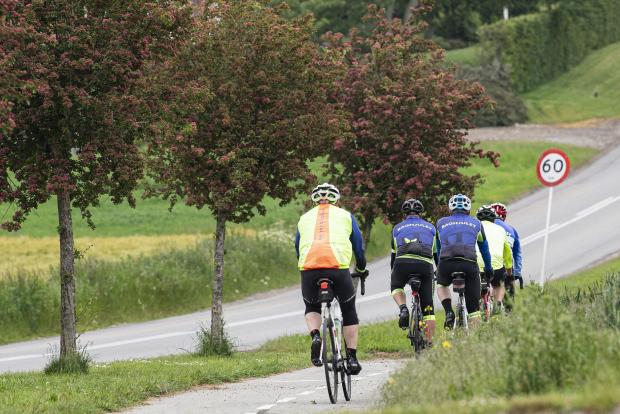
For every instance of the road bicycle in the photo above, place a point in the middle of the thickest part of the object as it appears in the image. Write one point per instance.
(416, 322)
(335, 361)
(486, 300)
(458, 286)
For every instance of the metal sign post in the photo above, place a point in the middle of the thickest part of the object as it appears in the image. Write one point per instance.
(552, 168)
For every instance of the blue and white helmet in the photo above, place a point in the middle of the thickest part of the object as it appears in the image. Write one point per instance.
(459, 202)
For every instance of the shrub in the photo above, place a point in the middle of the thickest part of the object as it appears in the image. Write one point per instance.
(210, 345)
(550, 343)
(538, 47)
(507, 108)
(73, 363)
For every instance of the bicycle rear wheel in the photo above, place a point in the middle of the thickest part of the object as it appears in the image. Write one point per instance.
(330, 362)
(415, 329)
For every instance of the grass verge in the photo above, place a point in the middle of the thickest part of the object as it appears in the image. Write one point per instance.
(557, 352)
(589, 90)
(111, 387)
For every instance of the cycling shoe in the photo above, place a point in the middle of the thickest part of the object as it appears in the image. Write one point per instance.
(315, 351)
(354, 366)
(403, 318)
(450, 319)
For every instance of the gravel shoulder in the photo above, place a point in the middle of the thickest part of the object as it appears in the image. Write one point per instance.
(599, 134)
(299, 391)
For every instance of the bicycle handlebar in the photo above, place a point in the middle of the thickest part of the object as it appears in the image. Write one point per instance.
(362, 277)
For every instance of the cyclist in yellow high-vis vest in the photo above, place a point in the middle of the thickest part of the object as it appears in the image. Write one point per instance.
(501, 253)
(327, 238)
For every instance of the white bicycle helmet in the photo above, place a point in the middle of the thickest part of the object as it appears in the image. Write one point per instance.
(459, 202)
(325, 191)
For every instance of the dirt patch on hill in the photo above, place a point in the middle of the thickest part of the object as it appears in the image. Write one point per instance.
(596, 133)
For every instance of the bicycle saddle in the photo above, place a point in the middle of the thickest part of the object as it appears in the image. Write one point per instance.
(414, 281)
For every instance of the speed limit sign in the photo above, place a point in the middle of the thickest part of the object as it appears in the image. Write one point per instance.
(553, 167)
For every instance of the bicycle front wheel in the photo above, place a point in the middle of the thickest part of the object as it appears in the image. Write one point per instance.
(345, 377)
(330, 362)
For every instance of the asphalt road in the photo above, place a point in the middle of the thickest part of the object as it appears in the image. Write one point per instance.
(585, 222)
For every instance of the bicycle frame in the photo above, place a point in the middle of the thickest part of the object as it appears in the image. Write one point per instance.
(332, 316)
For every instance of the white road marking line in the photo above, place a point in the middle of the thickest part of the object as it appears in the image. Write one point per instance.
(322, 387)
(306, 393)
(289, 381)
(582, 214)
(138, 340)
(265, 407)
(22, 357)
(596, 206)
(285, 400)
(374, 374)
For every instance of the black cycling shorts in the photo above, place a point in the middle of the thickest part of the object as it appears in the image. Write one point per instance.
(499, 276)
(343, 289)
(402, 272)
(472, 280)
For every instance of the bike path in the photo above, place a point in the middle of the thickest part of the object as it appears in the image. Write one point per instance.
(585, 219)
(301, 391)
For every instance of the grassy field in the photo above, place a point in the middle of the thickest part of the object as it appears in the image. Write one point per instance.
(589, 90)
(466, 56)
(144, 288)
(516, 173)
(122, 231)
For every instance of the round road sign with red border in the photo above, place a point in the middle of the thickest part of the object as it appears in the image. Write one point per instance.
(553, 167)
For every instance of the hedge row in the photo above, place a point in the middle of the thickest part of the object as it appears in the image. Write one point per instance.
(539, 47)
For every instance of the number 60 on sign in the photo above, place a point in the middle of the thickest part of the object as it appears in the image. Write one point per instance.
(553, 167)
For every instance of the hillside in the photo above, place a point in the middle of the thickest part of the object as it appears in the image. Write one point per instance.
(589, 90)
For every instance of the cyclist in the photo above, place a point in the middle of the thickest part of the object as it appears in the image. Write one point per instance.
(413, 251)
(515, 244)
(457, 236)
(326, 238)
(501, 254)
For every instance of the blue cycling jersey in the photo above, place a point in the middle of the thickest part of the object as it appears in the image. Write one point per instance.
(413, 238)
(457, 236)
(515, 245)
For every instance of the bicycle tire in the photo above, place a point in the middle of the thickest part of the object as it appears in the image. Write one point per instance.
(330, 362)
(415, 330)
(345, 377)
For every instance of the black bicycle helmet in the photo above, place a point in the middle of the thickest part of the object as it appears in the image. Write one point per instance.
(412, 206)
(486, 213)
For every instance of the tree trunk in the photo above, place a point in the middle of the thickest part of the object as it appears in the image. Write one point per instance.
(217, 321)
(412, 4)
(67, 276)
(366, 229)
(389, 13)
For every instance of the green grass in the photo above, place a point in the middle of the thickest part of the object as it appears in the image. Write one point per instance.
(145, 288)
(587, 277)
(556, 353)
(113, 386)
(466, 56)
(571, 96)
(517, 171)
